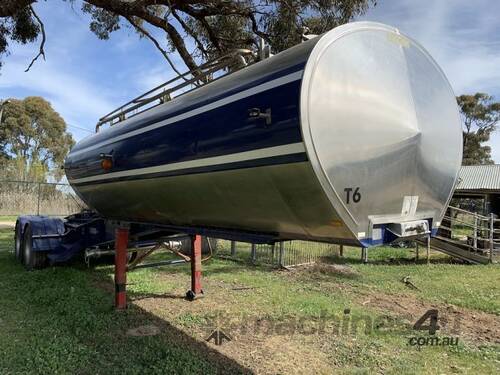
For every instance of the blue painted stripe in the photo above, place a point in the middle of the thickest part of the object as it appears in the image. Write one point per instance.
(221, 131)
(255, 163)
(185, 104)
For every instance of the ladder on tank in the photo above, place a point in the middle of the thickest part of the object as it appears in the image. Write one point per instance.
(180, 85)
(468, 236)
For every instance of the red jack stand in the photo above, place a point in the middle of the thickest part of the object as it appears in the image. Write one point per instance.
(121, 244)
(196, 291)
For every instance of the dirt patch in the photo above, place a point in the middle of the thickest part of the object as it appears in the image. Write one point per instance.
(256, 349)
(277, 355)
(314, 270)
(261, 343)
(7, 224)
(141, 331)
(474, 326)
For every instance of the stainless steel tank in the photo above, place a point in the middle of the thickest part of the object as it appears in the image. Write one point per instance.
(362, 144)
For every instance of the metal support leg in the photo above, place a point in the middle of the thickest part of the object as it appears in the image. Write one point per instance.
(253, 253)
(364, 255)
(196, 290)
(121, 244)
(341, 250)
(417, 250)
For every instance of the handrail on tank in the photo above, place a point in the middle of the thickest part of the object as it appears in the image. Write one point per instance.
(198, 77)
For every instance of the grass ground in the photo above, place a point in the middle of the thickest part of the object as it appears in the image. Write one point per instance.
(339, 317)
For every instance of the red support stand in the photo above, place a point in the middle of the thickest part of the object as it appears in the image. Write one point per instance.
(121, 244)
(196, 290)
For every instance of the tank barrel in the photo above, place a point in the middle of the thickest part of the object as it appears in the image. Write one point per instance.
(351, 137)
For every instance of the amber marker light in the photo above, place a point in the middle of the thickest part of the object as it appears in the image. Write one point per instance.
(106, 162)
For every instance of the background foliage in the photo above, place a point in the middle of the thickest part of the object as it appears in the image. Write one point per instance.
(197, 30)
(33, 139)
(480, 115)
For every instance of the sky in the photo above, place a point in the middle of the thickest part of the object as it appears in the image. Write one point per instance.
(85, 78)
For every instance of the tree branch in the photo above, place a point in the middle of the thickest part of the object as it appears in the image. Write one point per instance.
(155, 42)
(41, 51)
(137, 9)
(189, 31)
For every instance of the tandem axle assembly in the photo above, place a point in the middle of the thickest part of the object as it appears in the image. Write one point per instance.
(43, 240)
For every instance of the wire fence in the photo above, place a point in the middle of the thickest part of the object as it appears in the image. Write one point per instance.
(283, 254)
(38, 198)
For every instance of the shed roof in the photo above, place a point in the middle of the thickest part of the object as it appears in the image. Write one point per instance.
(479, 177)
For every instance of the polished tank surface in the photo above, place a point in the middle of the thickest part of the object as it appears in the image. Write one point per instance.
(379, 118)
(363, 134)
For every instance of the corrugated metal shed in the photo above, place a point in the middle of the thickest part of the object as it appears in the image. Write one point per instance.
(479, 177)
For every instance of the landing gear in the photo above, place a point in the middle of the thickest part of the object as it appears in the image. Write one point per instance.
(195, 291)
(121, 244)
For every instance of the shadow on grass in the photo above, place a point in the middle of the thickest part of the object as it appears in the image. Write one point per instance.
(138, 296)
(59, 320)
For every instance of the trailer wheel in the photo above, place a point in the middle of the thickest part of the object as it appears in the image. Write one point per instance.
(32, 259)
(18, 242)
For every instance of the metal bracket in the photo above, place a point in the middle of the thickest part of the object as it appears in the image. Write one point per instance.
(256, 113)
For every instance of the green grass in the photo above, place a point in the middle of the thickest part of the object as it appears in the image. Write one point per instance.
(60, 320)
(474, 287)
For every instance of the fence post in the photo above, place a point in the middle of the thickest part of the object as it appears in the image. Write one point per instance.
(38, 200)
(254, 253)
(475, 233)
(233, 248)
(282, 253)
(492, 228)
(428, 250)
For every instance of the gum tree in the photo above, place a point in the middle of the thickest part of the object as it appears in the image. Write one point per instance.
(196, 30)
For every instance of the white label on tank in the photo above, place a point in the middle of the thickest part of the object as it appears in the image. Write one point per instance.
(361, 234)
(410, 203)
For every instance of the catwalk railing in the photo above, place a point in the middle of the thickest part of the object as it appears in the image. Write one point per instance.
(471, 233)
(179, 85)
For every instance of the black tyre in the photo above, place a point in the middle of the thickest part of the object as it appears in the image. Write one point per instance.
(32, 259)
(18, 242)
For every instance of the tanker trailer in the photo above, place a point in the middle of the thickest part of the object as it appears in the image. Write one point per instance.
(352, 137)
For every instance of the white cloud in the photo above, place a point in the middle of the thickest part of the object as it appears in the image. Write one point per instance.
(75, 98)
